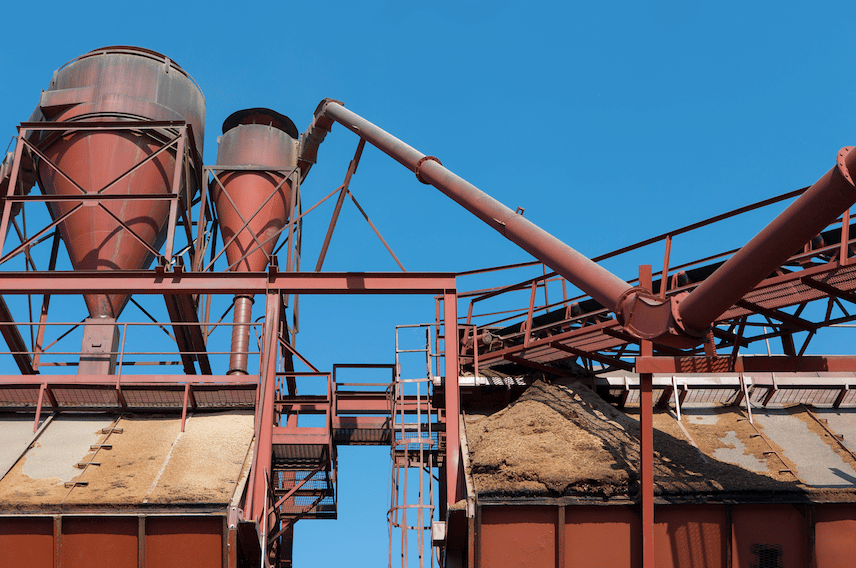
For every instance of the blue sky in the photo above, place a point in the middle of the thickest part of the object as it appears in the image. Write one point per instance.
(607, 122)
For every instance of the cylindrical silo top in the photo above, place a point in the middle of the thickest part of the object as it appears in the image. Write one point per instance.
(258, 137)
(263, 116)
(125, 83)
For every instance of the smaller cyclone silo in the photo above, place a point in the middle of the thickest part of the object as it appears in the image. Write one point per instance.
(256, 154)
(115, 85)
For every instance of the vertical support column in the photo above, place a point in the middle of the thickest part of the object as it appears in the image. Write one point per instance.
(729, 537)
(646, 426)
(176, 196)
(265, 411)
(184, 405)
(141, 542)
(57, 541)
(13, 183)
(231, 554)
(811, 528)
(528, 324)
(560, 536)
(471, 542)
(664, 276)
(453, 402)
(42, 389)
(100, 346)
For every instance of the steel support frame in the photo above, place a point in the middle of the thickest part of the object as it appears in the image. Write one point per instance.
(746, 364)
(273, 284)
(229, 548)
(806, 276)
(177, 281)
(452, 396)
(288, 175)
(180, 136)
(646, 438)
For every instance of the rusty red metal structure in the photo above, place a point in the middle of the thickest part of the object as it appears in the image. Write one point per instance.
(115, 147)
(641, 314)
(253, 204)
(115, 85)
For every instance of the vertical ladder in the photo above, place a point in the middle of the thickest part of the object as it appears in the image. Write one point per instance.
(414, 451)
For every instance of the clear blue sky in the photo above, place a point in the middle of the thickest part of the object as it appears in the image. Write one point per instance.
(607, 121)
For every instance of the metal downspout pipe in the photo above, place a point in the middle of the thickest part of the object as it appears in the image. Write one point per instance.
(242, 316)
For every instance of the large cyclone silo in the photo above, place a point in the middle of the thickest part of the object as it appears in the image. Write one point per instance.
(118, 87)
(256, 153)
(115, 85)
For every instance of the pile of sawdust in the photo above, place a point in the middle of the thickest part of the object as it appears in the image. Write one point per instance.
(564, 440)
(536, 446)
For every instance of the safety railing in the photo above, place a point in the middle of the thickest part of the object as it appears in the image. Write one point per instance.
(520, 324)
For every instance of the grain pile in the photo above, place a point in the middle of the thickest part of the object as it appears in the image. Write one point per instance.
(564, 440)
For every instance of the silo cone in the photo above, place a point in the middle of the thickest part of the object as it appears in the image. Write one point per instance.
(114, 85)
(252, 205)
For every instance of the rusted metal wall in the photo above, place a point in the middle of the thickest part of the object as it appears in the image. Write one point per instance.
(585, 528)
(110, 541)
(690, 536)
(769, 535)
(118, 542)
(518, 536)
(685, 536)
(835, 535)
(26, 542)
(183, 541)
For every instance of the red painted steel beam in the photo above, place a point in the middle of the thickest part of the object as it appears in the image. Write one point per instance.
(537, 366)
(298, 436)
(595, 280)
(597, 328)
(265, 415)
(786, 318)
(373, 403)
(362, 422)
(617, 363)
(646, 438)
(131, 380)
(14, 340)
(748, 364)
(452, 397)
(160, 282)
(191, 343)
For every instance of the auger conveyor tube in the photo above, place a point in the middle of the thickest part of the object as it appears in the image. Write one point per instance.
(593, 279)
(681, 320)
(817, 208)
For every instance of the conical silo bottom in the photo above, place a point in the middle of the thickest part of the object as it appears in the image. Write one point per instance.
(93, 235)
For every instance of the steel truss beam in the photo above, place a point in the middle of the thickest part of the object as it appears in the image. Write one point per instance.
(162, 282)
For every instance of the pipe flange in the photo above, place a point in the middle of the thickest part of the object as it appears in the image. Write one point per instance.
(624, 308)
(842, 164)
(419, 164)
